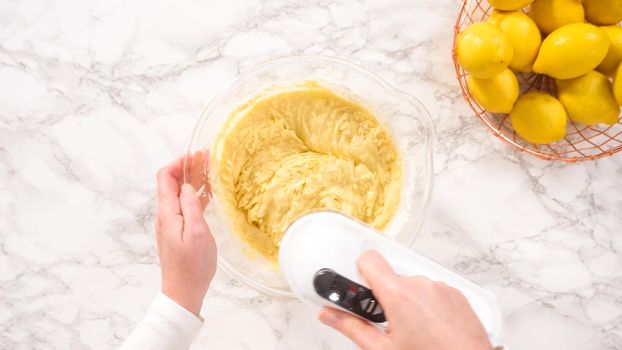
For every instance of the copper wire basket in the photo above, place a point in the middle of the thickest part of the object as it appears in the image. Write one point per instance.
(582, 142)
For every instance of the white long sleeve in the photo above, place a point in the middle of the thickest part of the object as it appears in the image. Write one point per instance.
(166, 326)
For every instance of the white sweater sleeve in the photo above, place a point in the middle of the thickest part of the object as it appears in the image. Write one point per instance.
(166, 326)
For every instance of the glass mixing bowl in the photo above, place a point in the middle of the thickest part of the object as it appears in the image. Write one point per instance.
(405, 118)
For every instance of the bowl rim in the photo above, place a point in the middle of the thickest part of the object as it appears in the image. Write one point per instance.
(242, 75)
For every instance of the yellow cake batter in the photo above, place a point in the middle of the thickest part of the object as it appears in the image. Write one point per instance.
(306, 148)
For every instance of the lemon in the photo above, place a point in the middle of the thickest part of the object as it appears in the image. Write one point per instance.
(523, 34)
(617, 85)
(539, 118)
(603, 12)
(497, 94)
(589, 99)
(614, 55)
(552, 14)
(571, 51)
(509, 5)
(483, 50)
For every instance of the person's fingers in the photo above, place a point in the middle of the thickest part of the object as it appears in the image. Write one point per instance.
(192, 210)
(176, 169)
(198, 175)
(359, 331)
(168, 219)
(377, 272)
(168, 189)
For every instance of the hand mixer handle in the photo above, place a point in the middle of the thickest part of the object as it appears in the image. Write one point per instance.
(330, 240)
(406, 262)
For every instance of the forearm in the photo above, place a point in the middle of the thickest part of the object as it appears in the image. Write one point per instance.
(166, 325)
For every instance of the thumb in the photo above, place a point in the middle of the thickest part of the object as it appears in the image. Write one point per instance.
(363, 334)
(191, 209)
(381, 278)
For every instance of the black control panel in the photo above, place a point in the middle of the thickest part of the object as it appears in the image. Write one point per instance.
(348, 294)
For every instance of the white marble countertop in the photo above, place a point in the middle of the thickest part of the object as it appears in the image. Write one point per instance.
(96, 95)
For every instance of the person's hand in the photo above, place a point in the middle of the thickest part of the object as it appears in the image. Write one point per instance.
(422, 314)
(185, 245)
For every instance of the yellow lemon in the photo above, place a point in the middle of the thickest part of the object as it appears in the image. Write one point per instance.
(523, 34)
(589, 99)
(614, 55)
(603, 12)
(539, 118)
(509, 5)
(483, 50)
(617, 85)
(571, 51)
(552, 14)
(497, 94)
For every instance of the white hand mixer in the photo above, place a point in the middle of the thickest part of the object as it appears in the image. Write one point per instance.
(318, 256)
